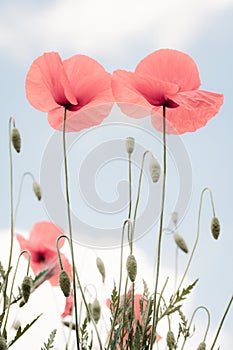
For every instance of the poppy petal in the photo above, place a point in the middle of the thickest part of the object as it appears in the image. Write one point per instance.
(47, 84)
(172, 66)
(46, 233)
(90, 115)
(88, 79)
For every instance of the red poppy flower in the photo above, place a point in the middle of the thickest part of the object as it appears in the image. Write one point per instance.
(42, 246)
(167, 78)
(79, 84)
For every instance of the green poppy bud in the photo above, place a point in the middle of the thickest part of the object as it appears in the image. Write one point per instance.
(130, 142)
(154, 169)
(16, 139)
(202, 346)
(37, 190)
(3, 345)
(131, 266)
(171, 342)
(180, 242)
(215, 227)
(101, 267)
(26, 288)
(64, 282)
(96, 310)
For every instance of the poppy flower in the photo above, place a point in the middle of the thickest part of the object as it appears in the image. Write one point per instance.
(79, 84)
(166, 78)
(42, 246)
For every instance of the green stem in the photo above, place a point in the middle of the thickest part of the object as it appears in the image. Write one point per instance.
(191, 320)
(12, 284)
(70, 227)
(198, 232)
(20, 191)
(87, 309)
(156, 307)
(139, 191)
(120, 281)
(221, 323)
(11, 120)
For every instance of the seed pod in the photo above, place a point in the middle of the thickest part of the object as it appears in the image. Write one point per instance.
(131, 266)
(180, 242)
(22, 303)
(26, 288)
(3, 345)
(64, 282)
(171, 342)
(130, 142)
(215, 227)
(101, 267)
(154, 169)
(202, 346)
(16, 139)
(96, 310)
(37, 190)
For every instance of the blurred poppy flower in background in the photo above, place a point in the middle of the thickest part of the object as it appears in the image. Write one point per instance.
(166, 78)
(79, 84)
(42, 246)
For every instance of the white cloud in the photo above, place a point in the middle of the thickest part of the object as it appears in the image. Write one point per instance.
(105, 25)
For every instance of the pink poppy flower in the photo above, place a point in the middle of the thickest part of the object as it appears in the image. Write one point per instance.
(167, 78)
(42, 246)
(79, 84)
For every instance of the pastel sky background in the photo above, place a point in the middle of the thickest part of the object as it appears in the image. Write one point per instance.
(118, 34)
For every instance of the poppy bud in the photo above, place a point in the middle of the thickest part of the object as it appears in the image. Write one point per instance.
(101, 267)
(180, 242)
(22, 303)
(37, 190)
(64, 282)
(215, 227)
(154, 169)
(171, 343)
(16, 139)
(96, 310)
(3, 345)
(130, 144)
(202, 346)
(26, 288)
(131, 266)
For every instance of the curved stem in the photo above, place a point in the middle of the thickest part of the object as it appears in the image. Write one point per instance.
(221, 323)
(11, 120)
(139, 191)
(58, 249)
(12, 284)
(120, 281)
(191, 320)
(20, 191)
(70, 227)
(87, 309)
(155, 312)
(198, 232)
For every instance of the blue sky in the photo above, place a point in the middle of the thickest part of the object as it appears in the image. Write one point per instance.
(118, 35)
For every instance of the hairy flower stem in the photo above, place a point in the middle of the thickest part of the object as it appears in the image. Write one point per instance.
(198, 232)
(191, 320)
(70, 227)
(28, 173)
(155, 306)
(221, 323)
(12, 284)
(120, 281)
(11, 121)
